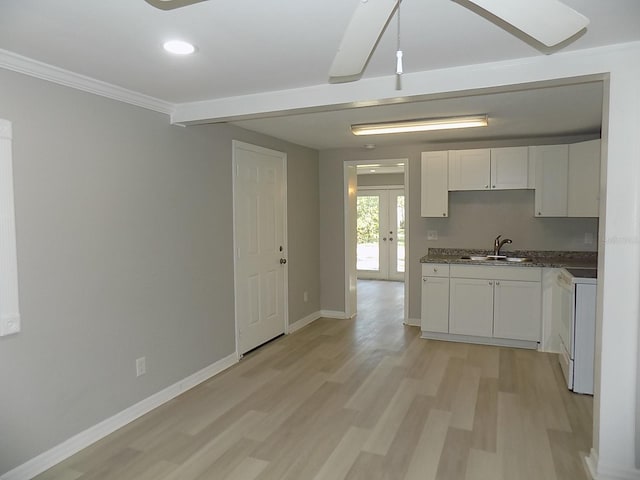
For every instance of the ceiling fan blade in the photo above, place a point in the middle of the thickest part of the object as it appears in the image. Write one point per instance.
(360, 38)
(548, 21)
(171, 4)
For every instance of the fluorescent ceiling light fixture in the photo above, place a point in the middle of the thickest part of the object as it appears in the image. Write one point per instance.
(421, 125)
(179, 47)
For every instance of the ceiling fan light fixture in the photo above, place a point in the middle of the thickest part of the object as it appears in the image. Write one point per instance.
(399, 69)
(179, 47)
(420, 125)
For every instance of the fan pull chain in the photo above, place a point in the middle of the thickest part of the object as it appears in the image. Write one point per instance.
(399, 69)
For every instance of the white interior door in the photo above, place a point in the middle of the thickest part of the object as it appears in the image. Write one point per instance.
(380, 226)
(259, 195)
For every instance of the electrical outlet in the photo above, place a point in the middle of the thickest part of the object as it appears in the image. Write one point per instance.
(141, 366)
(588, 238)
(306, 296)
(432, 234)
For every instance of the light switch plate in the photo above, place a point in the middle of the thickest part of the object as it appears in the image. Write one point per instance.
(9, 326)
(141, 366)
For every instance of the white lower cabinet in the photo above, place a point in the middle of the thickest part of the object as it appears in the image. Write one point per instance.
(435, 298)
(471, 307)
(517, 310)
(500, 303)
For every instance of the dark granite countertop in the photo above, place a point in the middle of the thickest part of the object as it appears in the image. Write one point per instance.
(539, 258)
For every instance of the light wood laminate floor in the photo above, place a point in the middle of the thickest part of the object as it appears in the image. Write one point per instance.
(358, 399)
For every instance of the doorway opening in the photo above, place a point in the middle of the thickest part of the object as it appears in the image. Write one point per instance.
(376, 234)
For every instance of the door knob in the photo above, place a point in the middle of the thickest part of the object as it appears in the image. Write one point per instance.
(384, 238)
(391, 239)
(283, 261)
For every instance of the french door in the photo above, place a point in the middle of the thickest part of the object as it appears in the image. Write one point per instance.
(381, 234)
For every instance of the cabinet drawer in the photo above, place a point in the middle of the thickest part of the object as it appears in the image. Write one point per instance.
(530, 274)
(435, 270)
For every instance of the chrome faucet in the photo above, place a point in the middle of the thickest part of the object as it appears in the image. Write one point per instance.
(497, 244)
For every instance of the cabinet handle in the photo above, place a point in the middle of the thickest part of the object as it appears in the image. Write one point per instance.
(497, 283)
(493, 186)
(424, 279)
(490, 283)
(444, 214)
(486, 186)
(539, 213)
(435, 269)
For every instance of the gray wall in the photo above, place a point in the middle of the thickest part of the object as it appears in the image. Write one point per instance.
(125, 244)
(475, 218)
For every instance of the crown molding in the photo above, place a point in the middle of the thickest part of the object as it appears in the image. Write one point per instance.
(18, 63)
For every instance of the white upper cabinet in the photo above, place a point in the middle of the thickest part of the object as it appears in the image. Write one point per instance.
(509, 168)
(433, 187)
(489, 169)
(469, 169)
(584, 179)
(551, 165)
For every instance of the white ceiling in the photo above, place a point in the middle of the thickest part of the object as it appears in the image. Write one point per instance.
(542, 112)
(253, 46)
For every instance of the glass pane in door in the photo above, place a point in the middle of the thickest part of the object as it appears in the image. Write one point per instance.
(368, 228)
(400, 232)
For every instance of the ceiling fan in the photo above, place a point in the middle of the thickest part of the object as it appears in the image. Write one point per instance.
(171, 4)
(549, 22)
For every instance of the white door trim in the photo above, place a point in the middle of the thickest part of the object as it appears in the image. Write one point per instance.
(235, 145)
(350, 274)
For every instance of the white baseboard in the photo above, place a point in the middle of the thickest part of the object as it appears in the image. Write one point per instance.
(414, 322)
(591, 464)
(60, 452)
(598, 471)
(303, 322)
(333, 314)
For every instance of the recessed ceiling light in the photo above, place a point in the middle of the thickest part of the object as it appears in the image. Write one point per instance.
(179, 47)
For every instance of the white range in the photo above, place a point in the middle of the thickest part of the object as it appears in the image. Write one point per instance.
(578, 326)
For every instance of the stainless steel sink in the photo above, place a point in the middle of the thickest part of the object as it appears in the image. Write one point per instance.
(495, 258)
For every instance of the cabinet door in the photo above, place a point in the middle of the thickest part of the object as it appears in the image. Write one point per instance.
(551, 171)
(584, 179)
(517, 308)
(469, 169)
(509, 168)
(471, 307)
(435, 304)
(434, 193)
